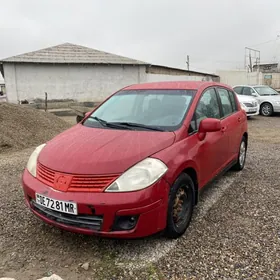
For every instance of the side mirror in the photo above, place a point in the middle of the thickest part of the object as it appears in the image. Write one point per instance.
(208, 125)
(87, 114)
(254, 94)
(79, 118)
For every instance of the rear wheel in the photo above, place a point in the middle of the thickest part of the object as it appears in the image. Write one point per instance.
(266, 109)
(180, 206)
(241, 155)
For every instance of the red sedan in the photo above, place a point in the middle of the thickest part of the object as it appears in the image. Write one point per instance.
(136, 164)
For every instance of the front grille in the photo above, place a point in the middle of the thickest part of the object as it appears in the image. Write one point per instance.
(80, 221)
(76, 183)
(45, 174)
(89, 183)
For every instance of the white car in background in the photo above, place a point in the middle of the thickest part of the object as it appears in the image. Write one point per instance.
(267, 97)
(249, 104)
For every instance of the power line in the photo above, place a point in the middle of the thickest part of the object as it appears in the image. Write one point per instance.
(266, 42)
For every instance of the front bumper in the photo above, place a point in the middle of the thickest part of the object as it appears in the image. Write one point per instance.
(150, 206)
(252, 111)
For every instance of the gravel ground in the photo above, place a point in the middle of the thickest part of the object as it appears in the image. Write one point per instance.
(235, 233)
(22, 127)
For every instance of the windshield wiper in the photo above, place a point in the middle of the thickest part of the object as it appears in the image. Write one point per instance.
(108, 124)
(131, 124)
(103, 122)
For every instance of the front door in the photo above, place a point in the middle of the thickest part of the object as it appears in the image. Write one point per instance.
(212, 152)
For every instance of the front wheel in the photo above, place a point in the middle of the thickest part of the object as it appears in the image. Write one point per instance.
(241, 155)
(266, 109)
(180, 206)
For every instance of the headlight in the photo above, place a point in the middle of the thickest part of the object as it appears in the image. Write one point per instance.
(243, 106)
(32, 162)
(140, 176)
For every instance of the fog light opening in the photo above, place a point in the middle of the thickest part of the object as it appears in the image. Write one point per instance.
(125, 222)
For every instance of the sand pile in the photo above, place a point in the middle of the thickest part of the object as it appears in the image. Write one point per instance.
(22, 127)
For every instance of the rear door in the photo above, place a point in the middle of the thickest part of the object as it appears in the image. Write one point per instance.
(231, 121)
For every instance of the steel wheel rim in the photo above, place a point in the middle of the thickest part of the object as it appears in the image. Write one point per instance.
(266, 110)
(242, 153)
(181, 206)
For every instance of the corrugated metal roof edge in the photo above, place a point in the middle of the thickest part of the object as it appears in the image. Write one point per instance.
(184, 70)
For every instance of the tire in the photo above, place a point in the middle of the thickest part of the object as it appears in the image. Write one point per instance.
(266, 109)
(182, 188)
(241, 159)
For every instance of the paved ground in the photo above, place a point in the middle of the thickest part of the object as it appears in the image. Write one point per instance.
(235, 233)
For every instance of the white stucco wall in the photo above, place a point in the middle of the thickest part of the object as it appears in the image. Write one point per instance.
(239, 77)
(79, 82)
(1, 79)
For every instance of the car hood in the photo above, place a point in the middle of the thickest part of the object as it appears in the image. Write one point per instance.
(246, 98)
(85, 150)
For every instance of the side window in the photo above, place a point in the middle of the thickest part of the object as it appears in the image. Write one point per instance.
(207, 107)
(226, 103)
(247, 91)
(238, 90)
(233, 100)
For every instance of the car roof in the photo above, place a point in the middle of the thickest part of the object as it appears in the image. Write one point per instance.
(241, 86)
(192, 85)
(250, 86)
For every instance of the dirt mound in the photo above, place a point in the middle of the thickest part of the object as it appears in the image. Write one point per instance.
(22, 127)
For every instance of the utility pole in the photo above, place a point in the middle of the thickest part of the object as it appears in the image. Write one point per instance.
(252, 53)
(250, 63)
(188, 62)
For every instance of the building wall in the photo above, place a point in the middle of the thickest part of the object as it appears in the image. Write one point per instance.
(160, 73)
(239, 77)
(79, 82)
(160, 77)
(236, 77)
(272, 80)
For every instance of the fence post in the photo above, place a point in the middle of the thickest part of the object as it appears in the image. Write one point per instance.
(46, 101)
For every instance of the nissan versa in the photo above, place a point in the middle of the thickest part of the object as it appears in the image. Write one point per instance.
(135, 165)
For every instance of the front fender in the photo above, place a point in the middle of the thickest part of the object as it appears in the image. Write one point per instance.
(178, 158)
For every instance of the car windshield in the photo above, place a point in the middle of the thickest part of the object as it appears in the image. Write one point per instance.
(266, 91)
(143, 110)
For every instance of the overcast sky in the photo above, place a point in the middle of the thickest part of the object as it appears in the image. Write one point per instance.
(213, 33)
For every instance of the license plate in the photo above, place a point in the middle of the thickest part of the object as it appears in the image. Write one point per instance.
(252, 110)
(57, 205)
